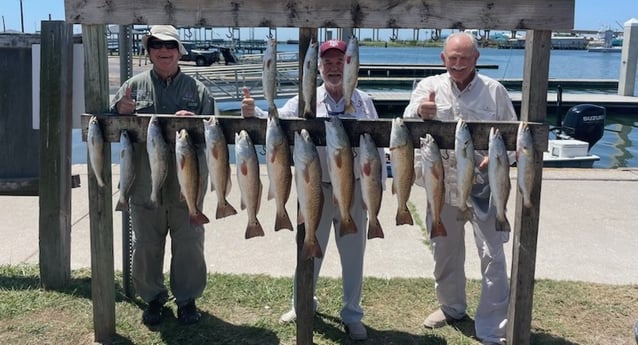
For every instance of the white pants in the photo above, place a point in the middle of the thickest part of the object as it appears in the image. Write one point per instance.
(351, 249)
(449, 272)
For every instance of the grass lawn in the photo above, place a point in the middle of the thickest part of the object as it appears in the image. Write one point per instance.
(244, 309)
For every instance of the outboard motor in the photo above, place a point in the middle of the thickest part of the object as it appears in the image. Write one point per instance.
(585, 122)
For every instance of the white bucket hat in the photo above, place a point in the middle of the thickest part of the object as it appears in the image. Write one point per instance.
(164, 33)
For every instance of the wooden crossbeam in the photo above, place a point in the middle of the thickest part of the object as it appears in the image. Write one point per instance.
(442, 131)
(459, 14)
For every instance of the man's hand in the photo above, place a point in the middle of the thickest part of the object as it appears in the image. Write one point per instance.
(427, 109)
(247, 105)
(126, 105)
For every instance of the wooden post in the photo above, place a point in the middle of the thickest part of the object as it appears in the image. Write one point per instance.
(101, 211)
(533, 108)
(629, 59)
(56, 84)
(304, 275)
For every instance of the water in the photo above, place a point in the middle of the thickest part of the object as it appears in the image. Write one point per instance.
(615, 148)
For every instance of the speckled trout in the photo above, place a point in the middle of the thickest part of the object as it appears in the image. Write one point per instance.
(465, 162)
(127, 170)
(309, 194)
(95, 146)
(158, 151)
(498, 170)
(525, 162)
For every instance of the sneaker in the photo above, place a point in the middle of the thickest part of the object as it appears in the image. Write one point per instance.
(438, 319)
(287, 317)
(188, 314)
(153, 313)
(356, 330)
(291, 315)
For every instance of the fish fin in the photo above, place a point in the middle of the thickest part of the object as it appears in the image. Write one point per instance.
(311, 249)
(374, 228)
(365, 206)
(224, 209)
(254, 230)
(503, 224)
(282, 221)
(347, 226)
(349, 108)
(300, 218)
(438, 229)
(198, 218)
(404, 217)
(466, 214)
(242, 204)
(271, 190)
(394, 188)
(229, 183)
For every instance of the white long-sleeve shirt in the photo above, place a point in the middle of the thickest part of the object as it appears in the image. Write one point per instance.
(327, 106)
(484, 99)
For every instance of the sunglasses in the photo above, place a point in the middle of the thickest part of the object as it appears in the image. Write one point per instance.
(157, 44)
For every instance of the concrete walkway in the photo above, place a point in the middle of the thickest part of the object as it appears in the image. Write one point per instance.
(587, 232)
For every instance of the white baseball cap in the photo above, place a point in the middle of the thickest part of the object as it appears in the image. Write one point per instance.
(164, 33)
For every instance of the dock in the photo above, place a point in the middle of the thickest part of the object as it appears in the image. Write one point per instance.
(389, 85)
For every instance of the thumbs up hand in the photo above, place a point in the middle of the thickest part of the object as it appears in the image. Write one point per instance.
(427, 109)
(126, 105)
(247, 104)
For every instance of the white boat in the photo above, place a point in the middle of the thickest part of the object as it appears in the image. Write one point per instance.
(568, 153)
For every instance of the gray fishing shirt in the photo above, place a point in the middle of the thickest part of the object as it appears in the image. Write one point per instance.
(156, 96)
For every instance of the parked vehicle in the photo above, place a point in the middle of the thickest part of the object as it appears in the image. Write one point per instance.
(202, 57)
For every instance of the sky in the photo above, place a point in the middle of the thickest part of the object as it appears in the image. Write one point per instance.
(589, 15)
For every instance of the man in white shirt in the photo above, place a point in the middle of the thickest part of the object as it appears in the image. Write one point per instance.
(331, 102)
(462, 93)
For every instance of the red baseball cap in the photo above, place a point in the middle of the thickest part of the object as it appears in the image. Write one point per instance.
(332, 44)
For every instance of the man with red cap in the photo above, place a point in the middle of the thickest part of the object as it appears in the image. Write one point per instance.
(331, 102)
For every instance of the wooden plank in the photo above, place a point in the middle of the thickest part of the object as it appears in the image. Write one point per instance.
(100, 199)
(56, 83)
(443, 131)
(484, 14)
(304, 272)
(533, 108)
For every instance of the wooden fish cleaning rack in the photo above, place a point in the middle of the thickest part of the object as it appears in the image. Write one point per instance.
(537, 17)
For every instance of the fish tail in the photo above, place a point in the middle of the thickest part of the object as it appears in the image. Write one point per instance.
(311, 249)
(347, 226)
(404, 216)
(198, 218)
(282, 221)
(465, 214)
(503, 224)
(122, 205)
(438, 229)
(254, 230)
(224, 209)
(374, 228)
